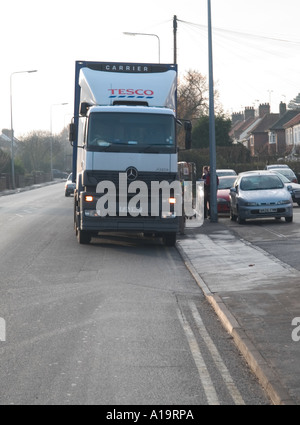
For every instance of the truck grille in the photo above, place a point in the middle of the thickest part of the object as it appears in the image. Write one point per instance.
(94, 177)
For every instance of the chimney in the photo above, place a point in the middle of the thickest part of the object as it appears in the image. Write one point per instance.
(7, 132)
(249, 112)
(282, 108)
(264, 108)
(237, 116)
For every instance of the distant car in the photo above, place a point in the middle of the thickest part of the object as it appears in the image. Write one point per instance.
(69, 186)
(283, 169)
(223, 198)
(225, 172)
(260, 194)
(272, 166)
(57, 174)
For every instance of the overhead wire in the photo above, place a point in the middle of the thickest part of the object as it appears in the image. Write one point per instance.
(246, 49)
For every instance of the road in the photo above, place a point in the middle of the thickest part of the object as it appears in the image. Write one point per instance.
(117, 322)
(278, 238)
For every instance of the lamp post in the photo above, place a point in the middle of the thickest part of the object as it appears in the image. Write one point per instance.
(11, 125)
(212, 136)
(51, 136)
(151, 35)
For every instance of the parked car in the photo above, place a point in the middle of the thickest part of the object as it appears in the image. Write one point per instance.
(69, 186)
(225, 172)
(57, 174)
(260, 194)
(283, 169)
(223, 198)
(288, 173)
(273, 166)
(294, 188)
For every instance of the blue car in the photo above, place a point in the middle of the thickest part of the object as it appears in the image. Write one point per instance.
(260, 194)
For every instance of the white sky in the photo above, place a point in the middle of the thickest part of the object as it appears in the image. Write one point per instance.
(256, 50)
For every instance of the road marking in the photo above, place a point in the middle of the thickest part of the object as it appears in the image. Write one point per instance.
(204, 375)
(234, 392)
(2, 329)
(280, 235)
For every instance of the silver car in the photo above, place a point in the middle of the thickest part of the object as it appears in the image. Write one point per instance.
(285, 170)
(294, 188)
(260, 194)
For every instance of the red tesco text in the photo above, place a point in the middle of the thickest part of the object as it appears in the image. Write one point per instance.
(131, 92)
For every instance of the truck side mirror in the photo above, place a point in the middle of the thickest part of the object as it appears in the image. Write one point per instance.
(71, 133)
(188, 134)
(84, 106)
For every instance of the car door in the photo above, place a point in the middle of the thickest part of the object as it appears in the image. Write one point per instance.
(234, 198)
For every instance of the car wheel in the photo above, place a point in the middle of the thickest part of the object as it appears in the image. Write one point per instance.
(289, 219)
(298, 203)
(67, 194)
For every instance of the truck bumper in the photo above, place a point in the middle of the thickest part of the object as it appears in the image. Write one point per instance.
(135, 224)
(89, 220)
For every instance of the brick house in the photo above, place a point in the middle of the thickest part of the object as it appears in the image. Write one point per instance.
(277, 133)
(241, 122)
(259, 135)
(292, 134)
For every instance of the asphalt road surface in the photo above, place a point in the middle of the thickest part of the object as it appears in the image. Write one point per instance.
(117, 322)
(278, 238)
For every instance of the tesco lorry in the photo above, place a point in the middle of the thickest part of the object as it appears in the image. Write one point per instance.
(125, 150)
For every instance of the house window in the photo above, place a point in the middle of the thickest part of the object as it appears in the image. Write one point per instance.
(289, 136)
(251, 141)
(272, 137)
(297, 134)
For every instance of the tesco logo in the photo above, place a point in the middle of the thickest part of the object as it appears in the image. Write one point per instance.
(131, 93)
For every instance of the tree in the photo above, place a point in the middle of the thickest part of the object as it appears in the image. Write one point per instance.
(192, 96)
(35, 151)
(200, 135)
(193, 99)
(5, 162)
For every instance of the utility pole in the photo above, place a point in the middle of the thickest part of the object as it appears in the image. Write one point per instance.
(175, 36)
(212, 135)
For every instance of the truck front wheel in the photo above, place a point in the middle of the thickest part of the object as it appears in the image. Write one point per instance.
(83, 236)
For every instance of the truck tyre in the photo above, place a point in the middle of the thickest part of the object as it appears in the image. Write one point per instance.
(76, 221)
(170, 239)
(83, 236)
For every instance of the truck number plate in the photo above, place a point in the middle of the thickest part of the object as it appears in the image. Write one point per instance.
(130, 210)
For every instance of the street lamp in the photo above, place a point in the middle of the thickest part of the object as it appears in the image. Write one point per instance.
(212, 131)
(151, 35)
(51, 140)
(11, 125)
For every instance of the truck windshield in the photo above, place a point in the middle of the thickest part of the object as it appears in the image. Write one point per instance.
(138, 132)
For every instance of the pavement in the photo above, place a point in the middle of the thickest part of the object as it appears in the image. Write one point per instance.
(256, 297)
(26, 188)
